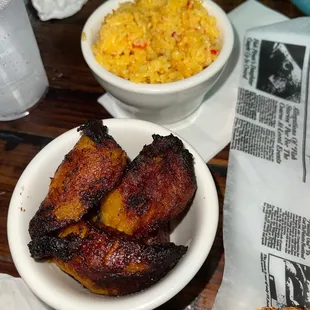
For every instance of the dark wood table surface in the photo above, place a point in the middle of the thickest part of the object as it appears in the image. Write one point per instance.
(71, 100)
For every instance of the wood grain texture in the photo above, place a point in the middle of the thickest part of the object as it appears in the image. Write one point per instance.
(71, 100)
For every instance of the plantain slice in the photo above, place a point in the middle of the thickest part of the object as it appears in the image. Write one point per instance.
(158, 184)
(106, 264)
(90, 170)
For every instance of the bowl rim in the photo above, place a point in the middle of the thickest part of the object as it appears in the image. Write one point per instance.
(157, 294)
(171, 87)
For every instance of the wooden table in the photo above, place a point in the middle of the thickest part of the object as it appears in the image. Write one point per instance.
(71, 100)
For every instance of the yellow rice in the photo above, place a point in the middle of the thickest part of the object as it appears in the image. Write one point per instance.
(157, 41)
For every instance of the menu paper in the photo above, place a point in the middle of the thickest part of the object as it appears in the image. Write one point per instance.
(267, 201)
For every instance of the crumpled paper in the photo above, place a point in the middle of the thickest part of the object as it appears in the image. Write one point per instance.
(4, 3)
(14, 293)
(48, 9)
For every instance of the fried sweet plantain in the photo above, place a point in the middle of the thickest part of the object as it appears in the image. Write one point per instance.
(90, 170)
(105, 264)
(158, 184)
(160, 235)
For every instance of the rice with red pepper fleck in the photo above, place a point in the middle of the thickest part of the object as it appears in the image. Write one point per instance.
(157, 41)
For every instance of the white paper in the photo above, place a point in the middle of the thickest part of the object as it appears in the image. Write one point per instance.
(15, 295)
(209, 129)
(267, 199)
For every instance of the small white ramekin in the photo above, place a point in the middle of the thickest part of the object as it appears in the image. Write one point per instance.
(159, 103)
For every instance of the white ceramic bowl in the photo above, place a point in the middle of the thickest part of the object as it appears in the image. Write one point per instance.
(196, 230)
(159, 103)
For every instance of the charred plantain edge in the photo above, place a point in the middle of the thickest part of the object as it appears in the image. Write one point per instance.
(95, 130)
(166, 257)
(167, 250)
(188, 160)
(42, 223)
(47, 246)
(165, 143)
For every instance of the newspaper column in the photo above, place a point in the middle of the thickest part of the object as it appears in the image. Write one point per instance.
(267, 202)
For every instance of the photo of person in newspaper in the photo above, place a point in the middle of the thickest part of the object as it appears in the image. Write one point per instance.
(296, 277)
(297, 284)
(280, 70)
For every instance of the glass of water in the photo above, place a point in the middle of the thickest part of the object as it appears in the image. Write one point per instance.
(23, 80)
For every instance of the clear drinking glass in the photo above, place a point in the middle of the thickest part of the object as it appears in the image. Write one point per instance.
(23, 80)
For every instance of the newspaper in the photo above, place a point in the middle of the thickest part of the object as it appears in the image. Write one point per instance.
(267, 202)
